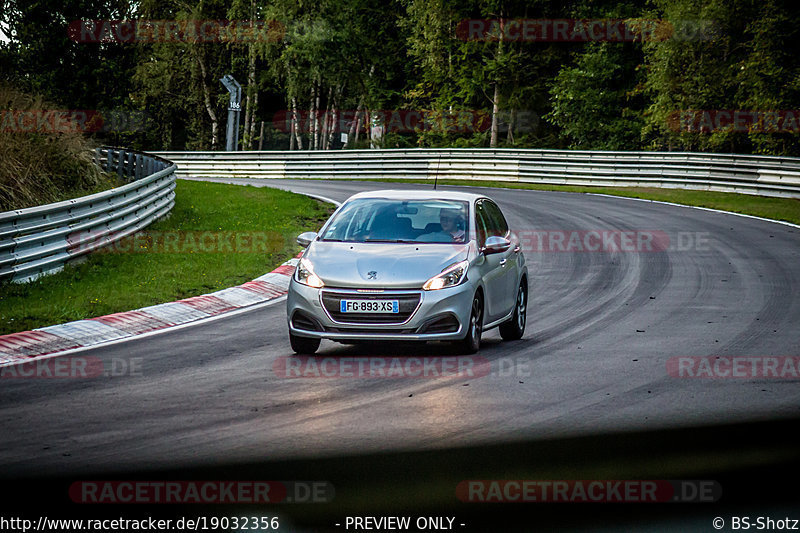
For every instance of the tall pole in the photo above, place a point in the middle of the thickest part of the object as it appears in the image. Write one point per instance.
(234, 108)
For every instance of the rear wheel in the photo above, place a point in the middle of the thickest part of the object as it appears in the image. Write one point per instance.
(515, 328)
(303, 345)
(472, 342)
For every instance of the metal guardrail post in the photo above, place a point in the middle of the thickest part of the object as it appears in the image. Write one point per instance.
(137, 169)
(120, 158)
(131, 166)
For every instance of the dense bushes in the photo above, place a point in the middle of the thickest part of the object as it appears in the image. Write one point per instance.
(43, 156)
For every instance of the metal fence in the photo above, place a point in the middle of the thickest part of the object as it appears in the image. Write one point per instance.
(751, 174)
(40, 240)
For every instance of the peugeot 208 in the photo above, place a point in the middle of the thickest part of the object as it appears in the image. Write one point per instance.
(409, 265)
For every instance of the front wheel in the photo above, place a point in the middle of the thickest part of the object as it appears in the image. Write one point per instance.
(472, 342)
(514, 328)
(303, 345)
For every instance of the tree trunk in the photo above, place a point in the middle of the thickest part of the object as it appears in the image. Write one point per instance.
(334, 117)
(296, 124)
(354, 126)
(207, 98)
(511, 121)
(326, 120)
(249, 100)
(261, 137)
(251, 93)
(368, 124)
(312, 120)
(247, 113)
(317, 90)
(495, 111)
(292, 125)
(357, 129)
(253, 121)
(323, 123)
(496, 96)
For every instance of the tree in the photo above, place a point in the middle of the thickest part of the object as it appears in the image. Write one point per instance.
(593, 101)
(40, 56)
(178, 79)
(769, 74)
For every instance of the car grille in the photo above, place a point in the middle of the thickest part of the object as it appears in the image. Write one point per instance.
(407, 303)
(370, 331)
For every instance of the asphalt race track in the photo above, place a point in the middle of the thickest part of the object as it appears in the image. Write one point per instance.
(602, 329)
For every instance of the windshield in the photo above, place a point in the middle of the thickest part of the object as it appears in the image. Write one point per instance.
(386, 220)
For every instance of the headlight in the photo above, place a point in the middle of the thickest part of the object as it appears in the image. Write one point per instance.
(305, 274)
(450, 277)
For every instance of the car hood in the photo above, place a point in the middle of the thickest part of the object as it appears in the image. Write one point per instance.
(395, 265)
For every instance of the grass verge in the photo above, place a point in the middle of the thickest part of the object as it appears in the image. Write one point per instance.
(216, 236)
(786, 209)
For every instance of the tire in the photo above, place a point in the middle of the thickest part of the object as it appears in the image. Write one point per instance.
(303, 345)
(515, 328)
(472, 342)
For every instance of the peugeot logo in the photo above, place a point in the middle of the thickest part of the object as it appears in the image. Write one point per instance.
(372, 274)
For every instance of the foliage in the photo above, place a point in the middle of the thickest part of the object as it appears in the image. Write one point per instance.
(593, 101)
(42, 167)
(364, 56)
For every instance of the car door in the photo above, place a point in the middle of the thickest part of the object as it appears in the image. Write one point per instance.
(493, 268)
(509, 266)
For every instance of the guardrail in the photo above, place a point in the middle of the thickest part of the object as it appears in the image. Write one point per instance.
(751, 174)
(40, 240)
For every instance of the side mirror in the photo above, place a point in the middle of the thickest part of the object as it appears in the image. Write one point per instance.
(304, 239)
(496, 245)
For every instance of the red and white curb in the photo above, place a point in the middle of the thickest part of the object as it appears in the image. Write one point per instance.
(29, 345)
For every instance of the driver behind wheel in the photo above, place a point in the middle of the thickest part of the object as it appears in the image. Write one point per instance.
(452, 222)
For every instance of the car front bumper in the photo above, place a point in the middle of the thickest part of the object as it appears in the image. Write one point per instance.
(439, 315)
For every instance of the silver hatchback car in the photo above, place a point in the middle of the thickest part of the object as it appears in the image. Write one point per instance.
(409, 265)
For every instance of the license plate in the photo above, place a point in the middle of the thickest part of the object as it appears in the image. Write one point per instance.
(369, 306)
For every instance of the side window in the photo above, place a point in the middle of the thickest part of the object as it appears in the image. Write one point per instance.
(482, 223)
(497, 222)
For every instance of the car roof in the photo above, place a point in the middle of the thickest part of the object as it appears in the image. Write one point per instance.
(418, 194)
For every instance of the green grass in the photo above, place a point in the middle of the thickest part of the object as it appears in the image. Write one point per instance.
(119, 280)
(786, 209)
